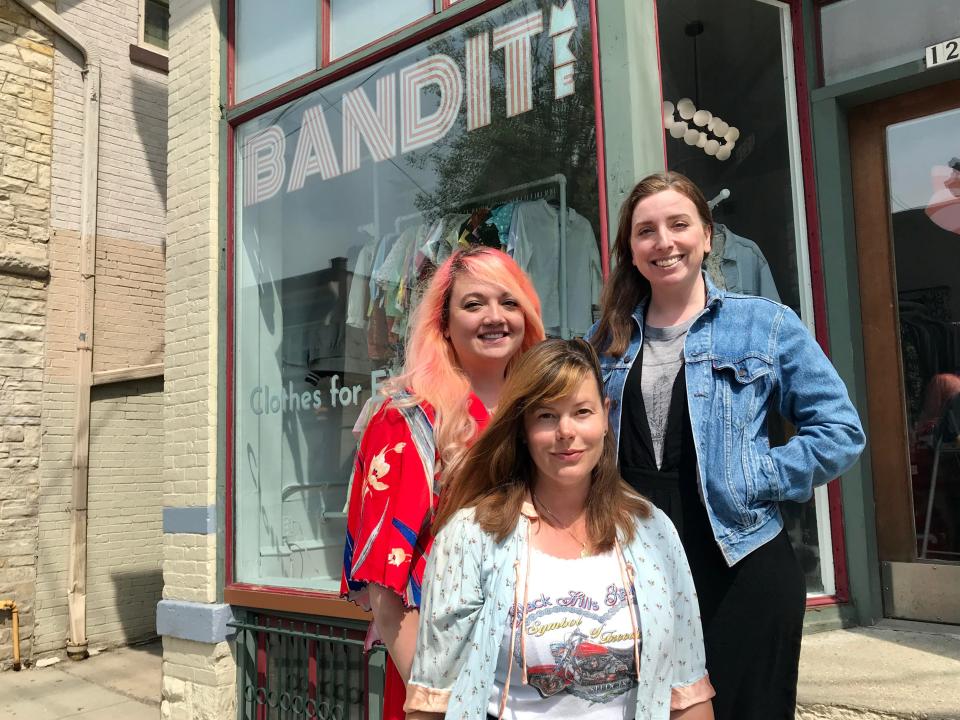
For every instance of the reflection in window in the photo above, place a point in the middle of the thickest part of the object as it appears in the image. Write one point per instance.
(347, 198)
(730, 125)
(923, 167)
(355, 23)
(275, 42)
(156, 23)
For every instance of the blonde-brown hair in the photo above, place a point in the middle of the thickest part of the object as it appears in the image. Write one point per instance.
(626, 286)
(497, 473)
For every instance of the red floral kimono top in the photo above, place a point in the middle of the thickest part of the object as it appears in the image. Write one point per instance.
(393, 495)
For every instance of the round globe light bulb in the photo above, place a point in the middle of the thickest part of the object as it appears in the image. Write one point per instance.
(677, 129)
(686, 108)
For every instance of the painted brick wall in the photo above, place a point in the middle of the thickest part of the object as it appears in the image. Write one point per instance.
(128, 321)
(26, 86)
(133, 126)
(125, 509)
(190, 355)
(199, 679)
(128, 310)
(59, 377)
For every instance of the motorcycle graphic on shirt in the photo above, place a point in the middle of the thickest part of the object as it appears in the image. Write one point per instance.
(586, 663)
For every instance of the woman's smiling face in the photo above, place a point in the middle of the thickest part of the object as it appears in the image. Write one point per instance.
(668, 240)
(565, 437)
(485, 323)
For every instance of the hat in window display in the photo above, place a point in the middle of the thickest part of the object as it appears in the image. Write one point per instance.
(944, 205)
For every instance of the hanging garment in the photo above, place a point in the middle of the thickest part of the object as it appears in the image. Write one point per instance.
(738, 265)
(535, 239)
(358, 299)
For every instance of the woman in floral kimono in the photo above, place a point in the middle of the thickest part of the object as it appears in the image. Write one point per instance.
(479, 313)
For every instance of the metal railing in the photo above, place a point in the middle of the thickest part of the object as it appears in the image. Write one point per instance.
(295, 667)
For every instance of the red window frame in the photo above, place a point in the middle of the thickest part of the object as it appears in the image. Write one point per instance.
(294, 599)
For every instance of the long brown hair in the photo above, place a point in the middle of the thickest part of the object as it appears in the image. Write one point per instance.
(497, 472)
(626, 286)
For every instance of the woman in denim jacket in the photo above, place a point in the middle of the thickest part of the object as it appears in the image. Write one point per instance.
(692, 373)
(553, 590)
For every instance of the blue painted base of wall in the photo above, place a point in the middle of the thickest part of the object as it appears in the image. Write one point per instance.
(200, 622)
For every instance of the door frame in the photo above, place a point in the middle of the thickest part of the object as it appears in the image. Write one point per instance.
(886, 405)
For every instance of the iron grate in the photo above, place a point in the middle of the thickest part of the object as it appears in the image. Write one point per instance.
(292, 667)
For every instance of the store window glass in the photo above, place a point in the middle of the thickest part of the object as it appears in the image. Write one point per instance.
(275, 42)
(355, 23)
(923, 171)
(730, 125)
(864, 36)
(347, 198)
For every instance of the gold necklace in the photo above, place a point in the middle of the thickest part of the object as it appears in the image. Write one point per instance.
(583, 546)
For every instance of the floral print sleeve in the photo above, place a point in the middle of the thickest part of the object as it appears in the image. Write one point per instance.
(391, 502)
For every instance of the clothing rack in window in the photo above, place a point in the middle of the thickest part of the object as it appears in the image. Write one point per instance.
(529, 191)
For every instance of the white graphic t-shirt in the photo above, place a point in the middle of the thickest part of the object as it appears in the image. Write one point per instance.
(579, 643)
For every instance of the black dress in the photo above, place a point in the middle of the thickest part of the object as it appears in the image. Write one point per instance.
(752, 612)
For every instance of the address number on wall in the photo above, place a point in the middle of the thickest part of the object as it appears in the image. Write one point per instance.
(942, 53)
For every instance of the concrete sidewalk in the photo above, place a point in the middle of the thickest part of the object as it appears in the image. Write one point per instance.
(893, 671)
(122, 684)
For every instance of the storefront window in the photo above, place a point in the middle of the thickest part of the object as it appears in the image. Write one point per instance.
(346, 198)
(730, 124)
(924, 186)
(354, 23)
(275, 42)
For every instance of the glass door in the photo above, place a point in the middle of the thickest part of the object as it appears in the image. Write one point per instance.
(906, 165)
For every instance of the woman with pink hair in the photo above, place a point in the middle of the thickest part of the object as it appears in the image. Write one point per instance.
(478, 314)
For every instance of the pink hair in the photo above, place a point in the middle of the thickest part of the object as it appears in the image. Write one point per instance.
(431, 371)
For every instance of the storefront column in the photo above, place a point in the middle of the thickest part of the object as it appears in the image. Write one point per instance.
(198, 666)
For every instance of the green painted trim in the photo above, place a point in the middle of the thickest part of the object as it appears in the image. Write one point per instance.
(630, 86)
(222, 190)
(842, 289)
(828, 617)
(293, 86)
(886, 83)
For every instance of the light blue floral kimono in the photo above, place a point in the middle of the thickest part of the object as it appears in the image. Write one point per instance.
(471, 582)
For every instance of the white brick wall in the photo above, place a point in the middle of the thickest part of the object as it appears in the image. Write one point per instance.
(133, 126)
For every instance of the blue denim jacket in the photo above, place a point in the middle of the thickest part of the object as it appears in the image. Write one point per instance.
(744, 355)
